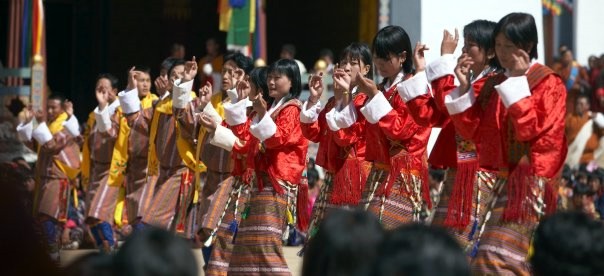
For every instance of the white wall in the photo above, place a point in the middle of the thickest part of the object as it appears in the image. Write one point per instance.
(588, 29)
(437, 15)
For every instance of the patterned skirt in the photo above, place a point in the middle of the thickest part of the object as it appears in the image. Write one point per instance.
(503, 246)
(102, 197)
(258, 245)
(227, 228)
(397, 208)
(52, 198)
(322, 206)
(467, 236)
(214, 196)
(139, 189)
(171, 201)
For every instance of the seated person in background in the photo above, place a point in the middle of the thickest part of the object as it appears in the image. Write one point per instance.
(568, 244)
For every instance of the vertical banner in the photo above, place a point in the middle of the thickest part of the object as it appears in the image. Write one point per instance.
(38, 71)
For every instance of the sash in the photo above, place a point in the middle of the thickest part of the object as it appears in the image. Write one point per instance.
(85, 165)
(574, 71)
(576, 148)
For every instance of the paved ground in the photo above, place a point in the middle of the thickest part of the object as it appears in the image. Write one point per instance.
(294, 262)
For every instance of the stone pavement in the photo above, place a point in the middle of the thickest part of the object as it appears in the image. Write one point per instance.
(294, 262)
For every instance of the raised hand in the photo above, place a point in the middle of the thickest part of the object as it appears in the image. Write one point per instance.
(462, 71)
(190, 70)
(68, 107)
(28, 112)
(102, 97)
(341, 81)
(449, 42)
(418, 57)
(259, 105)
(243, 89)
(521, 63)
(40, 116)
(207, 122)
(162, 84)
(315, 85)
(205, 95)
(132, 78)
(367, 86)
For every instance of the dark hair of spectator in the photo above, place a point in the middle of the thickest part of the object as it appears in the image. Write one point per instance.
(93, 264)
(289, 48)
(346, 244)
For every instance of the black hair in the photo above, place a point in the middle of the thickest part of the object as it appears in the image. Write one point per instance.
(92, 264)
(312, 175)
(393, 40)
(481, 33)
(241, 61)
(519, 28)
(583, 189)
(173, 63)
(289, 68)
(177, 47)
(568, 243)
(290, 48)
(259, 77)
(358, 51)
(57, 96)
(326, 52)
(112, 79)
(345, 244)
(583, 96)
(155, 252)
(143, 68)
(415, 249)
(438, 175)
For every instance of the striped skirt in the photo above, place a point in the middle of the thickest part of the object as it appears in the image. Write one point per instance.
(139, 190)
(171, 200)
(397, 208)
(102, 196)
(502, 246)
(213, 199)
(258, 246)
(323, 207)
(227, 228)
(484, 183)
(52, 198)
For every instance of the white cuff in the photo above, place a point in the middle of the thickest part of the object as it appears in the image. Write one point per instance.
(42, 134)
(210, 111)
(599, 120)
(233, 96)
(25, 130)
(235, 113)
(513, 90)
(346, 117)
(413, 87)
(457, 104)
(103, 121)
(72, 126)
(376, 108)
(330, 118)
(444, 65)
(113, 106)
(129, 101)
(181, 93)
(223, 138)
(264, 129)
(311, 115)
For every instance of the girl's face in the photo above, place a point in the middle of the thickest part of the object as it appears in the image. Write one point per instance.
(505, 50)
(353, 66)
(390, 67)
(278, 85)
(478, 55)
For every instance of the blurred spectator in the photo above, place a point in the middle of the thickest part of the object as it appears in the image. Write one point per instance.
(93, 264)
(583, 131)
(177, 51)
(568, 244)
(215, 59)
(436, 178)
(574, 77)
(421, 250)
(594, 70)
(155, 252)
(346, 244)
(327, 56)
(583, 200)
(288, 51)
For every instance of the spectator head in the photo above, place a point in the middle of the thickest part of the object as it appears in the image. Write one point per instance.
(566, 57)
(478, 44)
(284, 81)
(595, 181)
(326, 55)
(212, 47)
(392, 52)
(177, 51)
(515, 31)
(313, 176)
(568, 244)
(436, 176)
(288, 51)
(346, 244)
(234, 69)
(155, 252)
(108, 83)
(582, 104)
(311, 163)
(583, 197)
(421, 250)
(93, 264)
(54, 106)
(592, 62)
